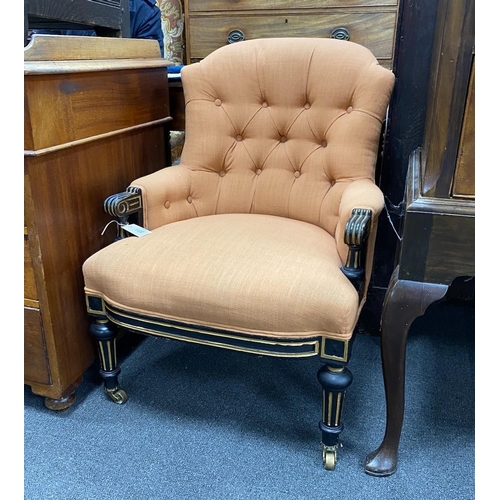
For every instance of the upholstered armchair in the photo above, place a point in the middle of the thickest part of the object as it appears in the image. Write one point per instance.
(261, 240)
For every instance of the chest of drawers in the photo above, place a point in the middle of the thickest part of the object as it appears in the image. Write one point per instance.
(211, 24)
(95, 117)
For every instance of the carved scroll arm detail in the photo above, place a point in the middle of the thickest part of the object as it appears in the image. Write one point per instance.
(126, 207)
(356, 233)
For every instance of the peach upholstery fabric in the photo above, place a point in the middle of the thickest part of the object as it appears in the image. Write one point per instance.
(249, 273)
(281, 143)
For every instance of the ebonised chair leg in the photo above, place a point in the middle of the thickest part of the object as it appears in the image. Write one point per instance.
(335, 381)
(105, 335)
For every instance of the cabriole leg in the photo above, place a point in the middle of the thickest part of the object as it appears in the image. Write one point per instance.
(335, 381)
(105, 335)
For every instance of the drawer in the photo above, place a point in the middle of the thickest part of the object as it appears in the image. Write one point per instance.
(36, 368)
(213, 5)
(30, 291)
(373, 30)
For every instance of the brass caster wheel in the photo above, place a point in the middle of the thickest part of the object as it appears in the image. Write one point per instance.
(118, 396)
(329, 457)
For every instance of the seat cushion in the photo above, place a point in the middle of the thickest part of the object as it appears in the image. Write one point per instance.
(248, 273)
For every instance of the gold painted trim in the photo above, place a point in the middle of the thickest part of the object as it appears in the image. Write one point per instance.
(324, 406)
(337, 413)
(108, 345)
(330, 403)
(103, 357)
(95, 311)
(336, 358)
(334, 370)
(313, 343)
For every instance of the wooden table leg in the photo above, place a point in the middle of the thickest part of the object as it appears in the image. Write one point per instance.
(404, 302)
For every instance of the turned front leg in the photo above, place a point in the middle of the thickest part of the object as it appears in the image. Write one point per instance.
(105, 334)
(334, 381)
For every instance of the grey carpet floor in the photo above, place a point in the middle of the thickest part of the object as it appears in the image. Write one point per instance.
(205, 423)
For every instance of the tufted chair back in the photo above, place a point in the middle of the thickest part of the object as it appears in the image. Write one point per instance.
(285, 140)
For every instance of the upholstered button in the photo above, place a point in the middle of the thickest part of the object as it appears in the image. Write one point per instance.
(296, 174)
(307, 105)
(238, 137)
(349, 109)
(264, 104)
(222, 173)
(283, 138)
(167, 204)
(323, 144)
(189, 199)
(333, 183)
(218, 102)
(258, 171)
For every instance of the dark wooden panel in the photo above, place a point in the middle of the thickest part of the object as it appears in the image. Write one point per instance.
(451, 249)
(438, 248)
(405, 127)
(416, 235)
(36, 368)
(177, 106)
(451, 63)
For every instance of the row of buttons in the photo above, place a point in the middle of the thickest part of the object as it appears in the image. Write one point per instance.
(218, 102)
(239, 138)
(189, 199)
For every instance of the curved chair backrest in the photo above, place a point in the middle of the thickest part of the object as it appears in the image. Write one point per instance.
(281, 126)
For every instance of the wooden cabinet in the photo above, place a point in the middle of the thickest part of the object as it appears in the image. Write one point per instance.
(437, 250)
(95, 118)
(213, 23)
(439, 227)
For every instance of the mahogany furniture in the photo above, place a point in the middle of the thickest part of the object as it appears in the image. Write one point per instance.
(95, 115)
(214, 23)
(261, 239)
(438, 239)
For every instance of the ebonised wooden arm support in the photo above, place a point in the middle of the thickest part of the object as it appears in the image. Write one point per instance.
(123, 206)
(356, 233)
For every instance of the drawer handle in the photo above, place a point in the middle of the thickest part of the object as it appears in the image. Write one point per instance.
(235, 36)
(340, 34)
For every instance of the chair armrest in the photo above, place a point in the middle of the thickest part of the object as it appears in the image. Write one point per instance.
(153, 200)
(165, 195)
(360, 206)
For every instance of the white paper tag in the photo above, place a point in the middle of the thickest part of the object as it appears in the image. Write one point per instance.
(135, 230)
